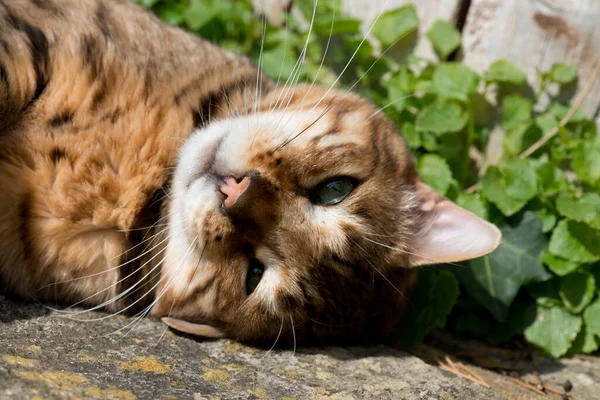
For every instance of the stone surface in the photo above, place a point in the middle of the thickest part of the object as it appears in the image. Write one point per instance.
(46, 356)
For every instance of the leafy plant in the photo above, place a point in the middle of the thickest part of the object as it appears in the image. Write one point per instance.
(543, 282)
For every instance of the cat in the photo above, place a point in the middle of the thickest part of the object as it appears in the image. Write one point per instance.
(145, 169)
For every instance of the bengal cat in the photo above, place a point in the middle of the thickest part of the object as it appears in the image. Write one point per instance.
(145, 169)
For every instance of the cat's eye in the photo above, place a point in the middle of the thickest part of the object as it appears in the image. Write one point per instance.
(333, 191)
(254, 275)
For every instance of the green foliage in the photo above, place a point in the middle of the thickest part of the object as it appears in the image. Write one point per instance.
(543, 281)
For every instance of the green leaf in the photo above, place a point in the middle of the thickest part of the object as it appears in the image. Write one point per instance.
(516, 110)
(444, 37)
(503, 71)
(575, 241)
(520, 137)
(586, 160)
(395, 25)
(551, 179)
(410, 134)
(201, 12)
(563, 73)
(584, 209)
(435, 172)
(454, 81)
(554, 330)
(495, 280)
(558, 265)
(440, 118)
(561, 110)
(591, 316)
(473, 203)
(585, 342)
(577, 291)
(433, 298)
(548, 219)
(520, 178)
(494, 188)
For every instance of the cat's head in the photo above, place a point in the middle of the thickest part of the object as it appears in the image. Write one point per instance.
(303, 220)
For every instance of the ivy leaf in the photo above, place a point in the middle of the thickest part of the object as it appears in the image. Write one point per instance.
(454, 81)
(435, 295)
(201, 12)
(520, 178)
(410, 134)
(516, 110)
(434, 171)
(494, 188)
(584, 209)
(495, 280)
(575, 241)
(585, 342)
(551, 179)
(473, 203)
(444, 37)
(521, 136)
(561, 110)
(440, 118)
(586, 160)
(577, 291)
(591, 316)
(503, 71)
(559, 266)
(563, 73)
(396, 24)
(553, 330)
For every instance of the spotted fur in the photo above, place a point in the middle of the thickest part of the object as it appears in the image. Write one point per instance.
(115, 130)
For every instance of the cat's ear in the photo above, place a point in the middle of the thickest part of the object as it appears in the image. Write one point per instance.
(451, 233)
(193, 329)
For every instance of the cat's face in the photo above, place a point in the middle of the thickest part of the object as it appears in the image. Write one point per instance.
(303, 220)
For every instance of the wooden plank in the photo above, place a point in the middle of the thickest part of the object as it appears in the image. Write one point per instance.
(535, 34)
(428, 11)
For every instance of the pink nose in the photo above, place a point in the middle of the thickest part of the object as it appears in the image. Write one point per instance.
(232, 189)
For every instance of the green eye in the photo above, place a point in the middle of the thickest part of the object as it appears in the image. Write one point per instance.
(254, 275)
(333, 191)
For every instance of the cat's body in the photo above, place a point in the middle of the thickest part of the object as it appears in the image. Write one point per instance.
(143, 167)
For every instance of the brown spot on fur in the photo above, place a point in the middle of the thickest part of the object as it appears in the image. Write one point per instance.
(92, 55)
(39, 49)
(61, 119)
(57, 154)
(48, 6)
(103, 20)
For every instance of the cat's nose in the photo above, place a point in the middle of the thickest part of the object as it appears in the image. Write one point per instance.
(250, 202)
(233, 188)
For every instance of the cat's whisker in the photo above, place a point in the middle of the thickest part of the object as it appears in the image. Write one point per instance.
(293, 335)
(276, 340)
(389, 105)
(141, 229)
(259, 70)
(144, 312)
(163, 291)
(298, 65)
(120, 295)
(414, 254)
(353, 85)
(105, 271)
(364, 253)
(318, 70)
